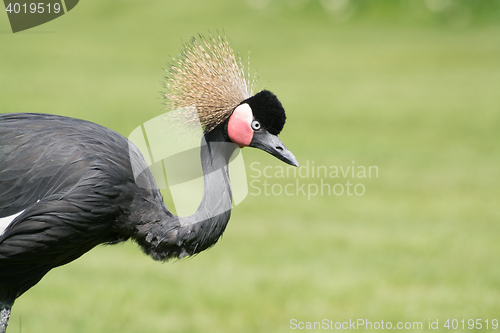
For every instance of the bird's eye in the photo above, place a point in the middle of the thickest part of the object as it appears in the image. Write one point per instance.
(255, 125)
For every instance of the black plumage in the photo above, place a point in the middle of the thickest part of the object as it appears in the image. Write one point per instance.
(71, 180)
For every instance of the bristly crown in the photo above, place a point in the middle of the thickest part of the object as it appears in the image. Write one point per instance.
(208, 76)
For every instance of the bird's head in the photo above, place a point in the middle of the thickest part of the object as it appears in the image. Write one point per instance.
(256, 122)
(206, 76)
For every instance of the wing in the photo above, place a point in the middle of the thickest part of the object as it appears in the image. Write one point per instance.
(37, 160)
(56, 230)
(71, 180)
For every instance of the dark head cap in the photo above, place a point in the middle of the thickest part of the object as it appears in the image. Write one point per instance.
(267, 109)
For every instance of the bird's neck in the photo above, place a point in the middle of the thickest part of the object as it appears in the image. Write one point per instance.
(178, 237)
(217, 197)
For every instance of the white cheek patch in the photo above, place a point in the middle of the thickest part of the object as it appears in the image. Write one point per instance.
(6, 221)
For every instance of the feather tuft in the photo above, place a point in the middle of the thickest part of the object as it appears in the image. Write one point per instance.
(209, 77)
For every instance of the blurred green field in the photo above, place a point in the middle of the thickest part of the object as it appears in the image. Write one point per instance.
(417, 96)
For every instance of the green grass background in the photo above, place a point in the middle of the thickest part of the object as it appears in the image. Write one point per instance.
(390, 84)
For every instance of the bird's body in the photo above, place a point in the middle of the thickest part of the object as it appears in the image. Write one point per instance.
(73, 184)
(67, 185)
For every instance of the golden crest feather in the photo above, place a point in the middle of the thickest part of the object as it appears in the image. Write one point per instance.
(209, 77)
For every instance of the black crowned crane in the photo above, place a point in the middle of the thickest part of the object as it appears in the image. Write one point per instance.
(67, 185)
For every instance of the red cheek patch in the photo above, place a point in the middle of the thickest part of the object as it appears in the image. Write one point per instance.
(239, 127)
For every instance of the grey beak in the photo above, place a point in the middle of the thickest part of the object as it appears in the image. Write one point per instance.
(272, 144)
